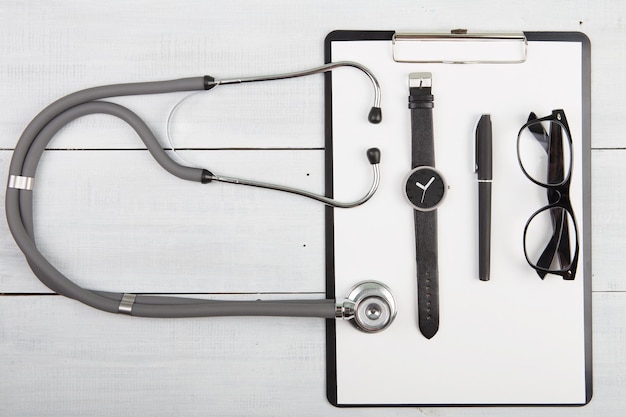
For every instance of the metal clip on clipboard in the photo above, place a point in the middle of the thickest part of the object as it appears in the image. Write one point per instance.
(460, 47)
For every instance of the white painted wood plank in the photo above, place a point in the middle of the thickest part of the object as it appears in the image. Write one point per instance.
(117, 221)
(609, 219)
(54, 49)
(217, 218)
(286, 114)
(15, 275)
(64, 358)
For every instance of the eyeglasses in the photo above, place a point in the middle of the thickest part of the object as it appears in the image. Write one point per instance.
(546, 157)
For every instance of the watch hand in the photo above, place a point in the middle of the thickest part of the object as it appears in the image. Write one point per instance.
(429, 182)
(425, 187)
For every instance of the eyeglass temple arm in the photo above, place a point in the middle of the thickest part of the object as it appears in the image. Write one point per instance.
(552, 143)
(556, 175)
(555, 155)
(558, 244)
(538, 131)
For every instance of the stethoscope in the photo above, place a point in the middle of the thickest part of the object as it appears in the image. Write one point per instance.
(369, 304)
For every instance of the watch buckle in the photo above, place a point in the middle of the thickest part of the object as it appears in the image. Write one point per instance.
(420, 80)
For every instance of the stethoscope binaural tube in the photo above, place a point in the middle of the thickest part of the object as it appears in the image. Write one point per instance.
(373, 154)
(19, 201)
(375, 115)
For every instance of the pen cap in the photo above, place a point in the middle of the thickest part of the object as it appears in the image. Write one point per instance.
(484, 148)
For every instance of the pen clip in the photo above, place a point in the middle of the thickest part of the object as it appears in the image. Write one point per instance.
(483, 152)
(475, 144)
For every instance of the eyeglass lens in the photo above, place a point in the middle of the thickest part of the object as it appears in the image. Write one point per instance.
(545, 152)
(550, 240)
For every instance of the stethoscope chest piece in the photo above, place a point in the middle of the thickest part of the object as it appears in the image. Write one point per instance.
(371, 306)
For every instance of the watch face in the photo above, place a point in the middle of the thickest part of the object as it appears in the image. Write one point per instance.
(425, 188)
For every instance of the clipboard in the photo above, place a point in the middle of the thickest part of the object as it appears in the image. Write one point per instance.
(516, 340)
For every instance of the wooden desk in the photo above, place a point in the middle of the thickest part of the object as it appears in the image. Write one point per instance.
(61, 358)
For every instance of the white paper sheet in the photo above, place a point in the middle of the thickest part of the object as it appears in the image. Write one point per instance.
(515, 339)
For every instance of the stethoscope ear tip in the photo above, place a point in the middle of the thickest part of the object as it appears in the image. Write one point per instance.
(375, 116)
(373, 155)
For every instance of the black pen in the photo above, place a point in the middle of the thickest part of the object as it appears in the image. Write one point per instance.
(484, 170)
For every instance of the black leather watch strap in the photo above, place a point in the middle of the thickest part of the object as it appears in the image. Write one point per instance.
(427, 272)
(421, 103)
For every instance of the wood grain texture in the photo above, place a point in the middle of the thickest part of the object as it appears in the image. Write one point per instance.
(64, 358)
(114, 220)
(189, 237)
(60, 358)
(609, 223)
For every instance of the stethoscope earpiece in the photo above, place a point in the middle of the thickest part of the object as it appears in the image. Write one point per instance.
(373, 155)
(375, 116)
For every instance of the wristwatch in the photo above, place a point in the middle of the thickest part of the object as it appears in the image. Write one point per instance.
(425, 189)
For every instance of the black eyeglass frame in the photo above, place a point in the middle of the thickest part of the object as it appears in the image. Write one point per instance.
(558, 197)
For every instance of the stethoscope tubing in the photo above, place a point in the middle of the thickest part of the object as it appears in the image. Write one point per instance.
(19, 202)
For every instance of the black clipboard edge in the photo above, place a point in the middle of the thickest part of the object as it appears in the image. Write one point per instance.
(539, 36)
(586, 181)
(331, 353)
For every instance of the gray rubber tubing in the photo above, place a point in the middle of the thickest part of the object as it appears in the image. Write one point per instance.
(19, 212)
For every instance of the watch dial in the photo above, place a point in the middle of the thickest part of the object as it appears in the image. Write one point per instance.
(425, 188)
